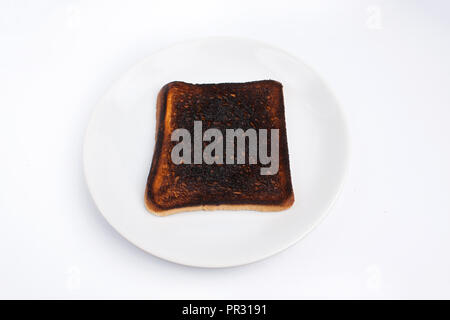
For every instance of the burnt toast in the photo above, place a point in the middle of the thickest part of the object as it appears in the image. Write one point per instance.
(189, 185)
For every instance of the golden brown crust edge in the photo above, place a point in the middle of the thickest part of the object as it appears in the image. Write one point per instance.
(249, 207)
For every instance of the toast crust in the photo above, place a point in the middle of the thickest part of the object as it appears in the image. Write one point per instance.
(169, 190)
(247, 207)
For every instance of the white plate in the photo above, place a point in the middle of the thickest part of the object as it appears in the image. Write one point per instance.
(120, 139)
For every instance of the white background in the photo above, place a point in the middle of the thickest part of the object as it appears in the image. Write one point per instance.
(388, 63)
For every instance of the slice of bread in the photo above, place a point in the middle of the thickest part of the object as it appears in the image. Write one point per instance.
(190, 185)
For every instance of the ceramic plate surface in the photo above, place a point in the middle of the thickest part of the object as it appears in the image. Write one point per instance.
(120, 139)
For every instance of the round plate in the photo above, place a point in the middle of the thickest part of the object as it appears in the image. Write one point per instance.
(121, 135)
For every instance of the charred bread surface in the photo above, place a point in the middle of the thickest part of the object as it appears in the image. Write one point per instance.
(173, 188)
